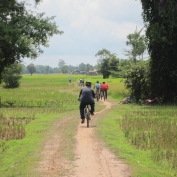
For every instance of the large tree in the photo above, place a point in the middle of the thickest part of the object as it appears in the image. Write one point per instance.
(22, 32)
(31, 68)
(61, 63)
(107, 62)
(161, 17)
(138, 45)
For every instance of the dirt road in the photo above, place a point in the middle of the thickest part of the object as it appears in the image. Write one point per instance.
(92, 159)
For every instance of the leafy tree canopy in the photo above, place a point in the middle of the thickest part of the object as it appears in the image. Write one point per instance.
(161, 18)
(12, 76)
(61, 63)
(31, 68)
(107, 62)
(22, 32)
(138, 45)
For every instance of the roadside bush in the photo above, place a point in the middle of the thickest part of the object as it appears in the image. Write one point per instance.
(137, 80)
(11, 76)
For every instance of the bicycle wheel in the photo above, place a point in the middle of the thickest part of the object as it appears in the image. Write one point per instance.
(101, 94)
(97, 96)
(88, 117)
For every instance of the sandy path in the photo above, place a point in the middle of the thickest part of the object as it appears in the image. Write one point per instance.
(53, 164)
(93, 160)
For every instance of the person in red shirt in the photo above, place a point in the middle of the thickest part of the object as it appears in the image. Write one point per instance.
(104, 87)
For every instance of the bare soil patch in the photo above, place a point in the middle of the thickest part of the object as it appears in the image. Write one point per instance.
(92, 159)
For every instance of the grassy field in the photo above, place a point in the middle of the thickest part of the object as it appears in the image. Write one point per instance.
(145, 136)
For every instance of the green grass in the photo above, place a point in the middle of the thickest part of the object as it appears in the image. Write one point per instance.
(18, 155)
(141, 161)
(46, 98)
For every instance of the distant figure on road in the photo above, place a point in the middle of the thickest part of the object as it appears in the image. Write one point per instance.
(69, 80)
(82, 82)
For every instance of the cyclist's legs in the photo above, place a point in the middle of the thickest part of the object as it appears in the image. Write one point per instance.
(106, 93)
(92, 105)
(82, 106)
(97, 92)
(101, 91)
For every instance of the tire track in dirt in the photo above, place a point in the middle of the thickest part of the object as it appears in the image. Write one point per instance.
(53, 163)
(93, 160)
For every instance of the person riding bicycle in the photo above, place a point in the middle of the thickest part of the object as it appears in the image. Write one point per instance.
(104, 87)
(97, 87)
(86, 96)
(69, 79)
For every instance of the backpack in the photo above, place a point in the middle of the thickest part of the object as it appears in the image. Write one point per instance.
(97, 86)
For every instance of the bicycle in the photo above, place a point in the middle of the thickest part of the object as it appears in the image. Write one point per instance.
(103, 94)
(87, 114)
(97, 95)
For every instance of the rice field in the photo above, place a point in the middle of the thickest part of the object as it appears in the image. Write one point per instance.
(41, 97)
(41, 94)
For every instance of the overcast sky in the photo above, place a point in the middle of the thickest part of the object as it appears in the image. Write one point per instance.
(89, 26)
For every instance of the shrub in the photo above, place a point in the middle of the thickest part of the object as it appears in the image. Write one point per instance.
(11, 76)
(137, 80)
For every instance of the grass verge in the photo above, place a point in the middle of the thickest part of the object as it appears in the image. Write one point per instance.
(20, 157)
(110, 132)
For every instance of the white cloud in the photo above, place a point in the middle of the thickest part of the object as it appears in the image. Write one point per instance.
(89, 26)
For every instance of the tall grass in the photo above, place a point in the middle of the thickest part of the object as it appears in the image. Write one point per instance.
(154, 129)
(150, 130)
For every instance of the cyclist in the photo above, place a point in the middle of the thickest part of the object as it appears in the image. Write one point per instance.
(105, 88)
(69, 79)
(86, 96)
(82, 82)
(78, 82)
(97, 87)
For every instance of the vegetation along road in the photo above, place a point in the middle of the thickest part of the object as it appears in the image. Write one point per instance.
(91, 157)
(41, 134)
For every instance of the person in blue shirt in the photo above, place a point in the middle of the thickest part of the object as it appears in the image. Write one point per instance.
(97, 87)
(69, 80)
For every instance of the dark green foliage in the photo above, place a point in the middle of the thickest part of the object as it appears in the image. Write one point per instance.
(161, 17)
(137, 80)
(22, 32)
(124, 65)
(107, 63)
(138, 45)
(31, 68)
(12, 75)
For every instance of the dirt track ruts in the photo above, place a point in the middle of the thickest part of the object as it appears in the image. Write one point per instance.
(92, 159)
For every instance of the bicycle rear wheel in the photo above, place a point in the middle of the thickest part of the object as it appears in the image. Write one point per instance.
(101, 94)
(97, 96)
(88, 116)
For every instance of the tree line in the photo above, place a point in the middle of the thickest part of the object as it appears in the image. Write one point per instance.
(23, 32)
(62, 68)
